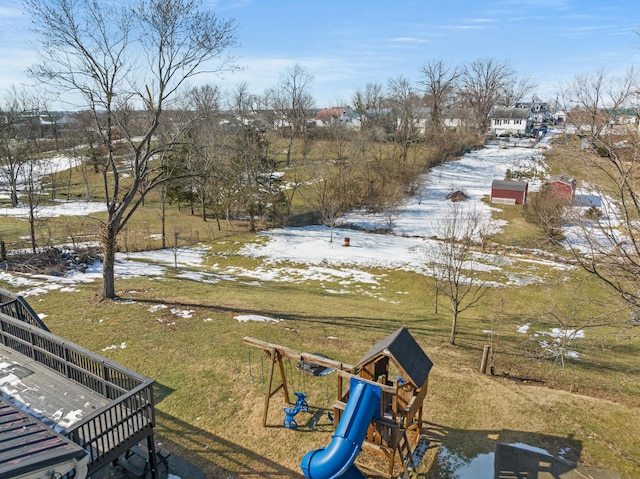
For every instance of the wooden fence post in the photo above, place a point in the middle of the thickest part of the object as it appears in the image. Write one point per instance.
(485, 358)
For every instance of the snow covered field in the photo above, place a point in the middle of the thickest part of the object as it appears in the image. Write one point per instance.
(307, 254)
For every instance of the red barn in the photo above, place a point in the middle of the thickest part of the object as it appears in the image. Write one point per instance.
(563, 186)
(509, 192)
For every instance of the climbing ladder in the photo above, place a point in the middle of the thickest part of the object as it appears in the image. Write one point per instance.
(406, 457)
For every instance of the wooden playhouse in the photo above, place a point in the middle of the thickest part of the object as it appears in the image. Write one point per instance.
(401, 368)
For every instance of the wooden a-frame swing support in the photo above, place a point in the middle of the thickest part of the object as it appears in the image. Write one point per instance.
(275, 353)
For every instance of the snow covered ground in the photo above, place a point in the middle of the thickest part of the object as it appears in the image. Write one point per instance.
(47, 166)
(473, 174)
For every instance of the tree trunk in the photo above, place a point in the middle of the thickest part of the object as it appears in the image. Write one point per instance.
(454, 323)
(31, 195)
(14, 194)
(289, 148)
(202, 206)
(252, 221)
(32, 229)
(108, 268)
(163, 200)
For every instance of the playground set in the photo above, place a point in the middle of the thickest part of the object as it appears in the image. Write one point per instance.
(378, 407)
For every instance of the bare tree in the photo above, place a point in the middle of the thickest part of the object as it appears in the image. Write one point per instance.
(568, 322)
(21, 147)
(292, 99)
(439, 81)
(207, 138)
(487, 83)
(518, 90)
(369, 105)
(451, 260)
(548, 211)
(13, 119)
(405, 102)
(333, 186)
(143, 51)
(391, 201)
(32, 185)
(324, 195)
(610, 241)
(594, 100)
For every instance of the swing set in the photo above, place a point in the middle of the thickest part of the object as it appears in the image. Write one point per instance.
(275, 354)
(397, 366)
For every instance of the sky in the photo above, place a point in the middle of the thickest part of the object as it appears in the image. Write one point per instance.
(345, 44)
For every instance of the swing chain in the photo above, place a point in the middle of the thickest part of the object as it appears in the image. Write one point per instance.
(249, 357)
(326, 386)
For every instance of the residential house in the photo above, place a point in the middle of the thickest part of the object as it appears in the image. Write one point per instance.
(534, 106)
(418, 121)
(509, 192)
(457, 118)
(332, 116)
(510, 121)
(624, 120)
(616, 121)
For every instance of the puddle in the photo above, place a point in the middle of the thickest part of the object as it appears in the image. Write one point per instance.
(453, 466)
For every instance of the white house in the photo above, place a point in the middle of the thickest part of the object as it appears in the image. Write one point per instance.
(623, 121)
(330, 116)
(509, 121)
(457, 118)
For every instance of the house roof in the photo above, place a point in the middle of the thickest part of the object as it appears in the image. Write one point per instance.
(624, 112)
(406, 353)
(566, 179)
(27, 445)
(511, 113)
(328, 113)
(509, 185)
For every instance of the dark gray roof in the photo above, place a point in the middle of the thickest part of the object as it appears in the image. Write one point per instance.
(509, 185)
(511, 113)
(27, 445)
(406, 352)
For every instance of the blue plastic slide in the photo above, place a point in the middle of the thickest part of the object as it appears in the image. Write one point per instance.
(336, 460)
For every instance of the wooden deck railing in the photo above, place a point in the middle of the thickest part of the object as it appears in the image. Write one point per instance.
(15, 306)
(110, 431)
(117, 427)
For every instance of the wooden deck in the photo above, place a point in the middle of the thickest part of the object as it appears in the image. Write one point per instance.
(41, 392)
(99, 405)
(29, 447)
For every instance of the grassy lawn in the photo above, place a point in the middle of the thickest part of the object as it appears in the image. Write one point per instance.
(210, 411)
(210, 386)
